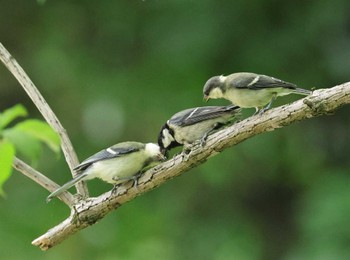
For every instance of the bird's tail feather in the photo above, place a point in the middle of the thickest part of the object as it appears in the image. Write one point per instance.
(66, 186)
(302, 91)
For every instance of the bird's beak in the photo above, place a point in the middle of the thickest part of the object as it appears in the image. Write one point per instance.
(205, 98)
(162, 157)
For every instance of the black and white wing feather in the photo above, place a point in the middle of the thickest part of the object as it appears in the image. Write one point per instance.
(255, 81)
(195, 115)
(114, 151)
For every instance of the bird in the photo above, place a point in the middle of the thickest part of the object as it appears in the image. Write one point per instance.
(117, 164)
(246, 89)
(194, 124)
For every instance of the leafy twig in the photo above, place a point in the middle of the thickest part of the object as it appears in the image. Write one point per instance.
(66, 145)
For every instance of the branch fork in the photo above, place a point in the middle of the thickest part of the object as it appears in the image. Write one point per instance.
(87, 211)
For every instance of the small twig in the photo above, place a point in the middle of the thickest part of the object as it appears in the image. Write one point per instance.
(88, 212)
(42, 180)
(66, 145)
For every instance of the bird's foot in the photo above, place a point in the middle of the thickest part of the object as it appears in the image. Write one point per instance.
(134, 178)
(115, 188)
(203, 141)
(263, 110)
(186, 152)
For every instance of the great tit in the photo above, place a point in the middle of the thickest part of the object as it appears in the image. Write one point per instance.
(246, 89)
(190, 125)
(116, 164)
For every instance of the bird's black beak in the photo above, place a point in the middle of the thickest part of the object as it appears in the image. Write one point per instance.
(162, 157)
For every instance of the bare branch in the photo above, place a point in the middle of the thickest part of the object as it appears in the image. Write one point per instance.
(42, 180)
(66, 145)
(89, 211)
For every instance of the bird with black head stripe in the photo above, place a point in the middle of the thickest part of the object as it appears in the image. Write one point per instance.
(194, 124)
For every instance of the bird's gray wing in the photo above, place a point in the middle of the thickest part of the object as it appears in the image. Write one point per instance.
(261, 82)
(195, 115)
(109, 153)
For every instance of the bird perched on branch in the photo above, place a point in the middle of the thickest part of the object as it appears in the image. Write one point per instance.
(247, 89)
(194, 124)
(117, 164)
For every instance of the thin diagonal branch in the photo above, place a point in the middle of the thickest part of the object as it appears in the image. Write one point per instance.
(42, 180)
(89, 211)
(50, 117)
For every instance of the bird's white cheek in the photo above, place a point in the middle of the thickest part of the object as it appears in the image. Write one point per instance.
(167, 138)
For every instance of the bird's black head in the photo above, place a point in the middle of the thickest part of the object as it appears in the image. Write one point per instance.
(166, 139)
(212, 87)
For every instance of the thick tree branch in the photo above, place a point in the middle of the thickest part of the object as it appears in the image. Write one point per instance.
(89, 211)
(50, 117)
(42, 180)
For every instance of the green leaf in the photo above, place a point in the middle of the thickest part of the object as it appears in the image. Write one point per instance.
(41, 131)
(11, 114)
(7, 152)
(25, 144)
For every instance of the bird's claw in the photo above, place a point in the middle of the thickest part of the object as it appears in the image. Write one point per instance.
(262, 111)
(186, 152)
(134, 178)
(115, 188)
(203, 141)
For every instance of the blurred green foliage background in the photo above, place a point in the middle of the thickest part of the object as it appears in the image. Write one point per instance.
(117, 70)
